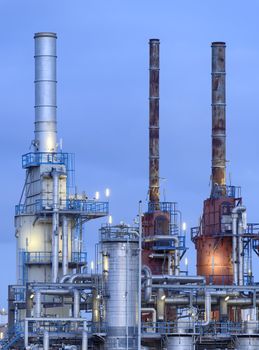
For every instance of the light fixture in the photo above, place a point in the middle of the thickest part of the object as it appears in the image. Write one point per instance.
(92, 265)
(163, 297)
(186, 261)
(227, 298)
(97, 195)
(184, 226)
(110, 219)
(107, 192)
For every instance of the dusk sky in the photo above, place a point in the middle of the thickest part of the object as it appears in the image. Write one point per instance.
(103, 102)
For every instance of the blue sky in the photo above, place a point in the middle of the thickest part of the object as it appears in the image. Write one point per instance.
(103, 101)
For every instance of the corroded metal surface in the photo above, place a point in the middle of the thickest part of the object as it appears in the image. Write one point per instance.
(218, 114)
(214, 243)
(154, 121)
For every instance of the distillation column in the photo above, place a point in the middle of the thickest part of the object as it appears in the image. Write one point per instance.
(120, 254)
(38, 234)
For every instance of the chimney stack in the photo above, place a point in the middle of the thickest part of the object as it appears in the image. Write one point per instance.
(154, 120)
(218, 115)
(45, 93)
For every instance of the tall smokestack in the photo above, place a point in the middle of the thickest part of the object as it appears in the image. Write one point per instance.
(154, 120)
(218, 115)
(45, 92)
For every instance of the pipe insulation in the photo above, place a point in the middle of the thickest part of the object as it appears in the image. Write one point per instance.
(45, 93)
(55, 226)
(65, 246)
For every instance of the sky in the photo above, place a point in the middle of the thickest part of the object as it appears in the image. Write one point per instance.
(103, 102)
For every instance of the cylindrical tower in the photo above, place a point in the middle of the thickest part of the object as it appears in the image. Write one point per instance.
(120, 253)
(218, 83)
(154, 120)
(45, 92)
(39, 235)
(213, 241)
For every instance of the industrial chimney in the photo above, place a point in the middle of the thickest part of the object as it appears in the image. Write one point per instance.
(45, 92)
(154, 120)
(218, 116)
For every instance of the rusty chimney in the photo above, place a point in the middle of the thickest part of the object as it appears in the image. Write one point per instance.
(218, 116)
(154, 120)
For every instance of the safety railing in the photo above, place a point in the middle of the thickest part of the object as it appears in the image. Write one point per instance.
(118, 232)
(46, 257)
(220, 279)
(214, 328)
(170, 244)
(162, 206)
(79, 257)
(226, 191)
(39, 158)
(85, 207)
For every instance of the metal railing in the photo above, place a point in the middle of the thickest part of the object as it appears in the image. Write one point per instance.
(118, 232)
(226, 191)
(38, 158)
(191, 327)
(87, 207)
(46, 257)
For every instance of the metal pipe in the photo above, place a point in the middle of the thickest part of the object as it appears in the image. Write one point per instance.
(45, 93)
(65, 246)
(84, 340)
(148, 283)
(76, 303)
(207, 309)
(154, 120)
(160, 304)
(237, 249)
(37, 303)
(55, 226)
(218, 115)
(161, 238)
(153, 311)
(26, 334)
(139, 273)
(178, 279)
(46, 340)
(182, 301)
(81, 277)
(96, 307)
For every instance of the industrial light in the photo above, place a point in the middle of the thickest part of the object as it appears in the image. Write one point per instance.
(184, 226)
(92, 265)
(186, 261)
(98, 296)
(110, 219)
(107, 192)
(227, 298)
(32, 296)
(163, 297)
(97, 195)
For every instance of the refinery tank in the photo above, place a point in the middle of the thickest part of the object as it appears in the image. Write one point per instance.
(180, 343)
(120, 253)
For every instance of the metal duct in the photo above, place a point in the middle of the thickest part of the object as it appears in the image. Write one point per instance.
(45, 92)
(154, 120)
(218, 114)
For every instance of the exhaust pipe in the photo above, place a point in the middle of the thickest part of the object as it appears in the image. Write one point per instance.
(218, 115)
(154, 120)
(45, 93)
